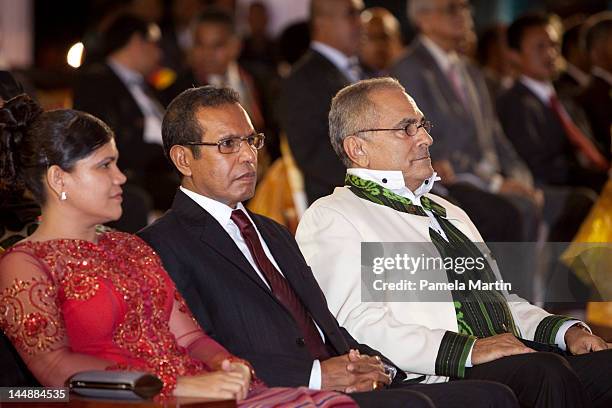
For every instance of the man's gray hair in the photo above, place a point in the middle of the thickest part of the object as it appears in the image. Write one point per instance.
(415, 8)
(352, 110)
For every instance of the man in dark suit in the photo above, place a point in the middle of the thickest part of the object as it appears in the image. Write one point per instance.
(472, 155)
(329, 65)
(117, 92)
(574, 77)
(597, 97)
(243, 275)
(556, 146)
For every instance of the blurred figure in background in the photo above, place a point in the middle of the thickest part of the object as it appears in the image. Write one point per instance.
(597, 97)
(556, 146)
(476, 162)
(381, 42)
(177, 38)
(493, 57)
(116, 91)
(293, 42)
(213, 60)
(257, 46)
(575, 76)
(329, 65)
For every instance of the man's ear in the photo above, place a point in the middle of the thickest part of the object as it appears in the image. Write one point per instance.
(182, 157)
(355, 149)
(55, 179)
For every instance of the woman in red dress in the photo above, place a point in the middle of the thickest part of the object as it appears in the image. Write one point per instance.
(74, 297)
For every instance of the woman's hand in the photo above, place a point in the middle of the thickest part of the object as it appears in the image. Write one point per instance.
(232, 382)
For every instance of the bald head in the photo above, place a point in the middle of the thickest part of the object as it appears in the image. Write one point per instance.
(336, 23)
(381, 42)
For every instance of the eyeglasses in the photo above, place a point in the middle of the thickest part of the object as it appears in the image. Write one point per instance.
(410, 129)
(233, 144)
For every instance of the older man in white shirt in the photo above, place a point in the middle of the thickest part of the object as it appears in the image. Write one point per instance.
(382, 137)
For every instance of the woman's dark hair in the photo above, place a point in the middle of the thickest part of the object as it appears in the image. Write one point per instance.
(32, 140)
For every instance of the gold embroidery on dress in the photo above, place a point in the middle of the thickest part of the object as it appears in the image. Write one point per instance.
(37, 330)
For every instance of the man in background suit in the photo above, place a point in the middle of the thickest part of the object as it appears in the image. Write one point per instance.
(329, 65)
(596, 99)
(472, 155)
(244, 278)
(116, 91)
(574, 77)
(535, 119)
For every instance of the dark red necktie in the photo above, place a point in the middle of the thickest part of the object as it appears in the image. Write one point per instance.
(280, 287)
(577, 138)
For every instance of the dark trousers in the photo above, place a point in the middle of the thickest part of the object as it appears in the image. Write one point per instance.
(473, 394)
(551, 380)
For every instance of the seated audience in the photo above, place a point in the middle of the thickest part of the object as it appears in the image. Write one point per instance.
(556, 147)
(330, 64)
(575, 75)
(477, 163)
(245, 279)
(213, 60)
(493, 57)
(381, 41)
(117, 92)
(596, 99)
(476, 334)
(75, 298)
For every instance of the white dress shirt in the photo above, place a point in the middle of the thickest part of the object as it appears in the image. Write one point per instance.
(151, 109)
(542, 89)
(222, 213)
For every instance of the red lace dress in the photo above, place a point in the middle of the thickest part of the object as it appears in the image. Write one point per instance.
(73, 305)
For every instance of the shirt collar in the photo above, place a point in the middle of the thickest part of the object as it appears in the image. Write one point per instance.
(602, 73)
(336, 57)
(220, 212)
(543, 90)
(394, 181)
(442, 58)
(126, 75)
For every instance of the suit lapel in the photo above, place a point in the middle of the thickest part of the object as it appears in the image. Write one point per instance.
(290, 268)
(208, 230)
(438, 79)
(331, 73)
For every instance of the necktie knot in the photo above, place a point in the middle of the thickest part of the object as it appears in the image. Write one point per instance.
(241, 220)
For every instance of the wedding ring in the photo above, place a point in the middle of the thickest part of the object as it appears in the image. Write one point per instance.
(374, 385)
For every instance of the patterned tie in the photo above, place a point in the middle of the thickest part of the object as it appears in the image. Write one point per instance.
(454, 76)
(280, 287)
(577, 138)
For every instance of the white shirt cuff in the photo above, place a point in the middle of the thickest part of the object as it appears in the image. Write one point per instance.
(468, 361)
(315, 376)
(560, 337)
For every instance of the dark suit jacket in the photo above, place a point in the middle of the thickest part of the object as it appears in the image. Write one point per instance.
(538, 136)
(459, 135)
(596, 100)
(231, 302)
(303, 108)
(100, 92)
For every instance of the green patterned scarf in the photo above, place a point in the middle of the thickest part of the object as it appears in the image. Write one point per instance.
(479, 313)
(371, 191)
